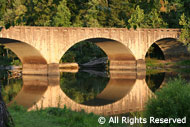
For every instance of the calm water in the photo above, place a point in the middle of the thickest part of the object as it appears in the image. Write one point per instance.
(112, 92)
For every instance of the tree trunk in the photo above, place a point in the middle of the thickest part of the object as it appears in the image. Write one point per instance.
(5, 118)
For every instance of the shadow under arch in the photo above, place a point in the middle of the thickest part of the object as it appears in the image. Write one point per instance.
(118, 54)
(155, 52)
(114, 49)
(172, 48)
(30, 57)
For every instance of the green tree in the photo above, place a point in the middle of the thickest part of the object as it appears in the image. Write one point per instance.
(185, 31)
(40, 13)
(2, 10)
(82, 52)
(103, 11)
(43, 10)
(149, 20)
(173, 9)
(63, 15)
(88, 16)
(75, 7)
(119, 12)
(7, 57)
(14, 14)
(91, 17)
(155, 20)
(30, 12)
(138, 19)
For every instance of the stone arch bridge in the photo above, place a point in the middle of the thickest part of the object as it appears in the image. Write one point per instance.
(41, 48)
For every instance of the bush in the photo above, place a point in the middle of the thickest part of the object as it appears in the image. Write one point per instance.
(172, 101)
(16, 62)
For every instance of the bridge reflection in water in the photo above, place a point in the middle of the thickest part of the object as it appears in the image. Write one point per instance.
(126, 91)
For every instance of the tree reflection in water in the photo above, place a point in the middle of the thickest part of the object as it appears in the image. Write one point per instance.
(82, 87)
(154, 81)
(10, 86)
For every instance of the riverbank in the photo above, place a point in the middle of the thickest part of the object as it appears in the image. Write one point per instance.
(10, 67)
(171, 68)
(167, 64)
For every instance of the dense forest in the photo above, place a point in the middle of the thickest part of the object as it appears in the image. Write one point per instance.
(98, 13)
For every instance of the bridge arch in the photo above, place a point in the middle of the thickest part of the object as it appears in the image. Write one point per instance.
(168, 45)
(119, 55)
(30, 57)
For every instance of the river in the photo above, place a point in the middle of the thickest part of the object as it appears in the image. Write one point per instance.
(108, 93)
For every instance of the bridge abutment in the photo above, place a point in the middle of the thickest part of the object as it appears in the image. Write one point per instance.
(138, 65)
(122, 65)
(141, 65)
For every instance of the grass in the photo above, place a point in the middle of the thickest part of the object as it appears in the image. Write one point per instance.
(183, 63)
(55, 117)
(155, 71)
(155, 63)
(183, 70)
(154, 66)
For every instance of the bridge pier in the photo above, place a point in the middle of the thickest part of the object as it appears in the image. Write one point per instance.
(34, 69)
(138, 65)
(122, 64)
(53, 69)
(41, 69)
(141, 65)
